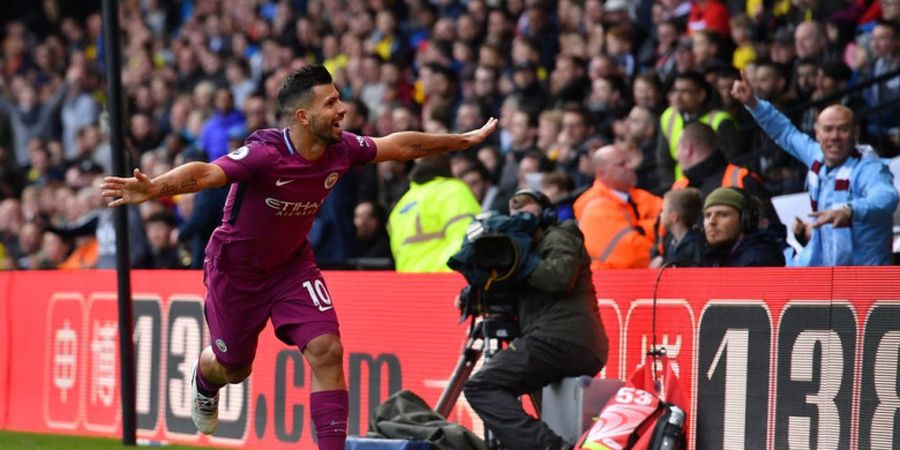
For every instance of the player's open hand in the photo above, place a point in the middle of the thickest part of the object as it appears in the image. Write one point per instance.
(742, 91)
(127, 191)
(475, 137)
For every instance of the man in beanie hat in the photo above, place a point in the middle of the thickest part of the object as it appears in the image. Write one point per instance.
(730, 223)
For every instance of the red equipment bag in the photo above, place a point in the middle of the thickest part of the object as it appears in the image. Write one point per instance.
(647, 413)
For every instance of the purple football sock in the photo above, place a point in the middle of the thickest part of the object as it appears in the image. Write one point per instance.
(206, 387)
(329, 414)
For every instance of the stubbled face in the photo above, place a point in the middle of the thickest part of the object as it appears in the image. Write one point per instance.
(806, 78)
(721, 224)
(686, 96)
(326, 113)
(836, 134)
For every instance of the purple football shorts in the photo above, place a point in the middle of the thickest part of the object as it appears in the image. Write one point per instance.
(238, 303)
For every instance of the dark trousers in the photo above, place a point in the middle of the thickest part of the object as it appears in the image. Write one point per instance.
(527, 365)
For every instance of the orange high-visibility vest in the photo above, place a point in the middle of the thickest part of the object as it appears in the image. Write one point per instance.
(617, 234)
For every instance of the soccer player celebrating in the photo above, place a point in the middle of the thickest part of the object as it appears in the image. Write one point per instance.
(258, 262)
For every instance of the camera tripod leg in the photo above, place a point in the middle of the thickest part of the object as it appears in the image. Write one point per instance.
(464, 367)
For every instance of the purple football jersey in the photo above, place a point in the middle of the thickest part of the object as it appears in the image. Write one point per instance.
(274, 196)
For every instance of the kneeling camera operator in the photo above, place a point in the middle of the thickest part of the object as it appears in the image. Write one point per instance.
(528, 267)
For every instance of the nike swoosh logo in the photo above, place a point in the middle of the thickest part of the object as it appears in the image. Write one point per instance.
(279, 182)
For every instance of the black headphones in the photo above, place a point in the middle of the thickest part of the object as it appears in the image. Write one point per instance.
(548, 211)
(749, 213)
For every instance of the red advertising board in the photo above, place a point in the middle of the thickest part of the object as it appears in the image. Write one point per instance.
(771, 358)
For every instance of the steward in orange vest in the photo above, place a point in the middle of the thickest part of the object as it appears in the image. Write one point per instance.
(616, 218)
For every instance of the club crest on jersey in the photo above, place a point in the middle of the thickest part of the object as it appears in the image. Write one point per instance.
(239, 153)
(331, 180)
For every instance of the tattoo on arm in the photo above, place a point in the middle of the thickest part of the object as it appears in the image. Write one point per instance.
(187, 184)
(167, 189)
(417, 149)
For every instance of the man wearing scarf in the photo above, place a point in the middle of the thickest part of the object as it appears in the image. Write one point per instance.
(850, 189)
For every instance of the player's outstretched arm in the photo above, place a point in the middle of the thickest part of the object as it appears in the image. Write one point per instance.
(407, 145)
(190, 177)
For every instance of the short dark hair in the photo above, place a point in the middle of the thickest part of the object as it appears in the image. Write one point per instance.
(478, 167)
(560, 179)
(162, 217)
(299, 85)
(780, 69)
(697, 79)
(688, 203)
(836, 69)
(892, 25)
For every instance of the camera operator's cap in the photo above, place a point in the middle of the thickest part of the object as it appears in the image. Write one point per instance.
(537, 196)
(725, 196)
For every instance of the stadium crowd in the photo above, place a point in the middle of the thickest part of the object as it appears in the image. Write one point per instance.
(593, 96)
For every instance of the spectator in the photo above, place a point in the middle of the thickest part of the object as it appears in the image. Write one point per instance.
(237, 72)
(667, 33)
(608, 102)
(783, 174)
(805, 72)
(165, 255)
(371, 233)
(641, 131)
(568, 81)
(705, 166)
(214, 137)
(691, 100)
(833, 77)
(853, 226)
(732, 236)
(685, 243)
(810, 40)
(558, 187)
(487, 89)
(770, 82)
(532, 168)
(84, 253)
(527, 87)
(617, 218)
(79, 108)
(648, 93)
(40, 169)
(477, 177)
(522, 139)
(782, 49)
(883, 126)
(31, 116)
(618, 45)
(30, 240)
(707, 47)
(428, 224)
(571, 150)
(54, 250)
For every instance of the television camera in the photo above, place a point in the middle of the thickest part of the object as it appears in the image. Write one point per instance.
(496, 257)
